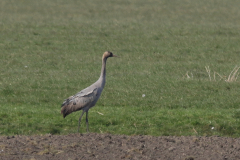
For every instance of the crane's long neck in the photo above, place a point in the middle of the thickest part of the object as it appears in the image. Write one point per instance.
(103, 72)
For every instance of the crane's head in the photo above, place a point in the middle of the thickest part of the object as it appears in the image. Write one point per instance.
(108, 54)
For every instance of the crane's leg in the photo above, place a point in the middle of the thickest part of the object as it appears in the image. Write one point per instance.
(80, 121)
(87, 121)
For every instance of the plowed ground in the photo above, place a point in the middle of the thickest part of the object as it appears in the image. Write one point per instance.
(106, 146)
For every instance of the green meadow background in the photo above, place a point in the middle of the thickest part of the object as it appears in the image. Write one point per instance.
(180, 54)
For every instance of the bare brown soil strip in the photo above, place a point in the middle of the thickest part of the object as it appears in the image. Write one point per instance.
(106, 146)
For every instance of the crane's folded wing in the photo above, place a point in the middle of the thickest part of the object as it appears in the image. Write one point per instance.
(78, 102)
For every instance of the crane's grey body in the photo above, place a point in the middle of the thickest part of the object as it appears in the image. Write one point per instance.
(83, 100)
(88, 97)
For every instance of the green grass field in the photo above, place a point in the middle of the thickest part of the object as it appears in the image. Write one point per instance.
(50, 50)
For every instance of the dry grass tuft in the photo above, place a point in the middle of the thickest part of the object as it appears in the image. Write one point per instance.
(208, 71)
(232, 77)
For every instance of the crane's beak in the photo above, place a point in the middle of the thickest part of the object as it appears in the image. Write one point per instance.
(115, 56)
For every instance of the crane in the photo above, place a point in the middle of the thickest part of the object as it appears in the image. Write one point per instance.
(87, 98)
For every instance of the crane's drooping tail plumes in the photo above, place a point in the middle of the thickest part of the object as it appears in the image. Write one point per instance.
(68, 106)
(65, 111)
